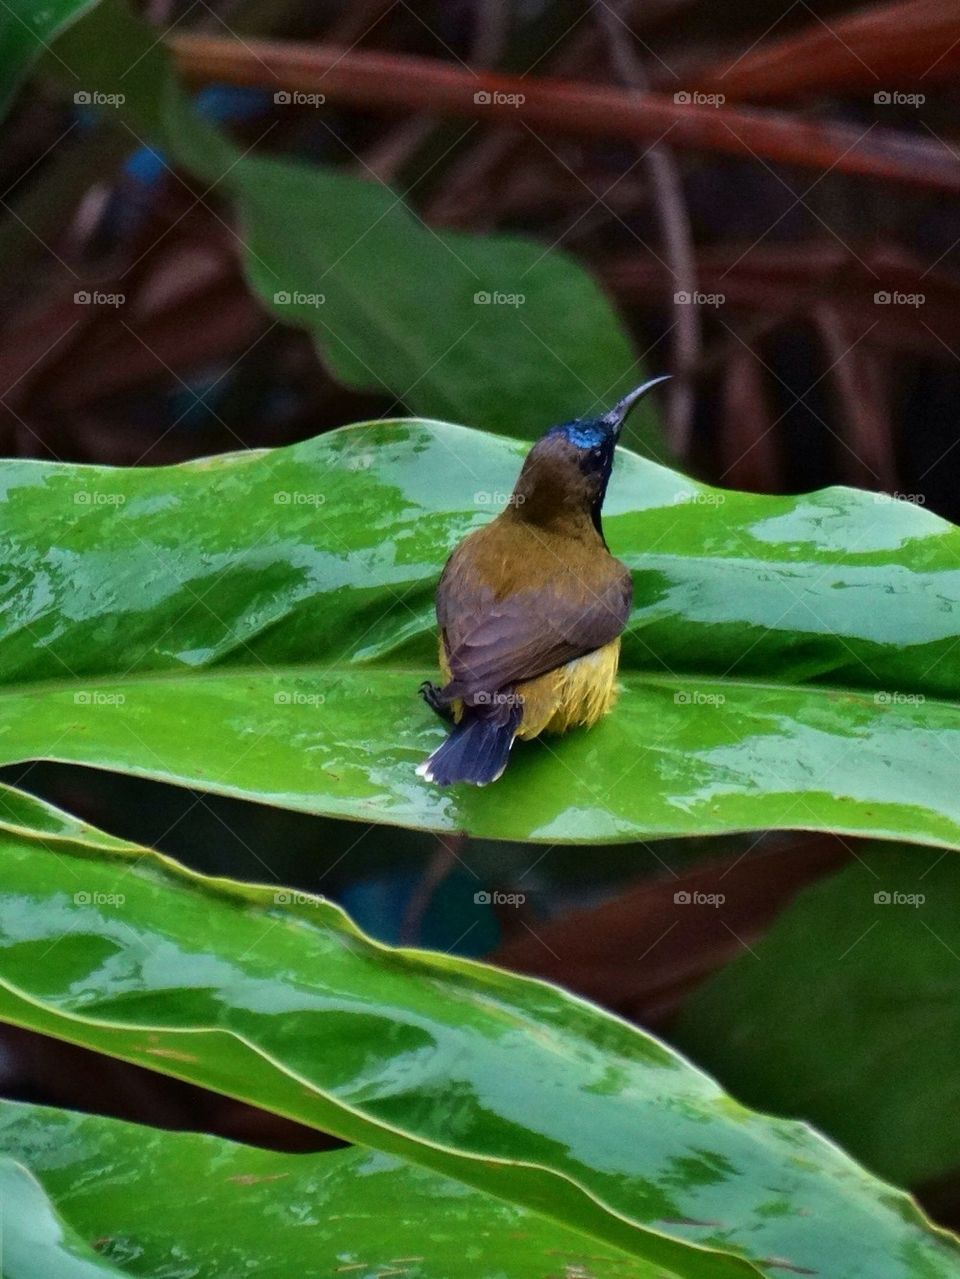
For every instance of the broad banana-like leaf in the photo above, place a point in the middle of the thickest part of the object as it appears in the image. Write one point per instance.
(257, 625)
(156, 1204)
(503, 1083)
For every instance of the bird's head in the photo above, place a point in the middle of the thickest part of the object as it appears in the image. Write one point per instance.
(565, 474)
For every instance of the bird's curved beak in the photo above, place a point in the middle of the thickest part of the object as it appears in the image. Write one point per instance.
(618, 414)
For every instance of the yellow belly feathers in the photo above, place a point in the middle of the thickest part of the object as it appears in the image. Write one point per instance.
(579, 693)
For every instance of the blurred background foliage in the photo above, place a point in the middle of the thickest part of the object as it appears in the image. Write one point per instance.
(802, 184)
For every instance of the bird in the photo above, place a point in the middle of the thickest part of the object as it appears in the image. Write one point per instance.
(531, 607)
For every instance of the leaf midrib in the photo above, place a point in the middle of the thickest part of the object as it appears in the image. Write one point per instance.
(30, 688)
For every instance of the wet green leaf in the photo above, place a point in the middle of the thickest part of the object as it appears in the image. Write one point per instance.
(857, 986)
(503, 1083)
(163, 1204)
(35, 1241)
(258, 624)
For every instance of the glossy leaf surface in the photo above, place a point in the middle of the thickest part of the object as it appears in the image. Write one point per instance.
(35, 1241)
(258, 624)
(163, 1204)
(858, 988)
(501, 1082)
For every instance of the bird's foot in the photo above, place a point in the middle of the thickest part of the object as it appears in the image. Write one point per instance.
(431, 695)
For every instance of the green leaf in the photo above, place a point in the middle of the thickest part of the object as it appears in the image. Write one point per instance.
(175, 1203)
(498, 1081)
(857, 987)
(35, 1241)
(257, 625)
(26, 33)
(504, 366)
(392, 305)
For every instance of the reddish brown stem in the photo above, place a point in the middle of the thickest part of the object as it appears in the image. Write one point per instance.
(886, 48)
(379, 81)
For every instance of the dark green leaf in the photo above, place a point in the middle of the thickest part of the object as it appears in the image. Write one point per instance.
(503, 1083)
(848, 1014)
(26, 32)
(493, 330)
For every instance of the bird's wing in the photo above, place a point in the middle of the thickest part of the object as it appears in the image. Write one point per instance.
(492, 642)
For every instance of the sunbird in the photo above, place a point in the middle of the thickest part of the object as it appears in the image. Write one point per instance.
(531, 608)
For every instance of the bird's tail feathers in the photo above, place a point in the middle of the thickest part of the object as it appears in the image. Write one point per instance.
(476, 750)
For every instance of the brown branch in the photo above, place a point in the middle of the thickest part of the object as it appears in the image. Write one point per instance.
(899, 46)
(787, 282)
(379, 81)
